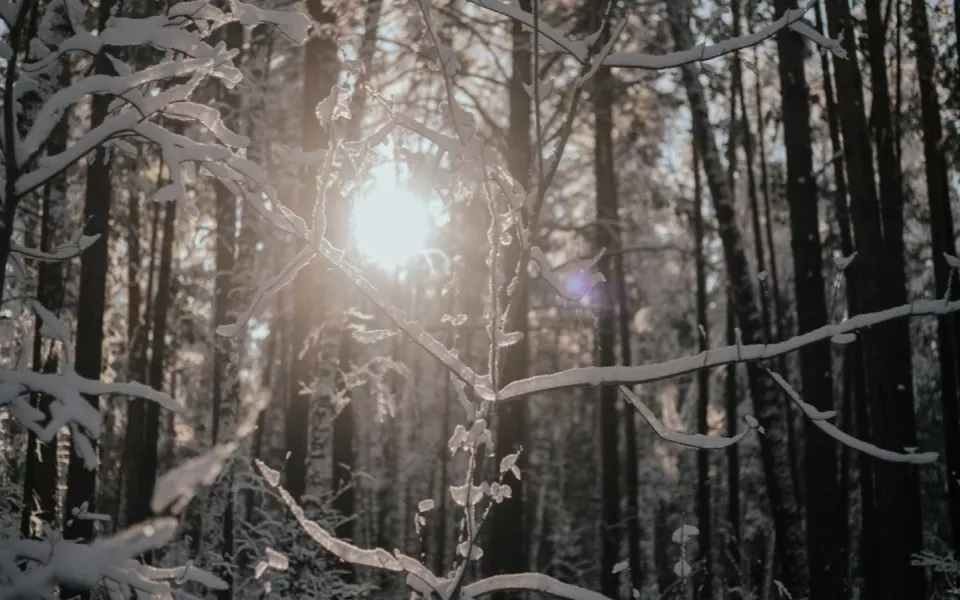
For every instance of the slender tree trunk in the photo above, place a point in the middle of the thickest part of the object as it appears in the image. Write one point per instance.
(942, 236)
(608, 238)
(880, 278)
(81, 483)
(704, 504)
(853, 383)
(344, 421)
(776, 331)
(823, 499)
(776, 461)
(41, 469)
(634, 556)
(321, 68)
(507, 552)
(735, 575)
(225, 380)
(148, 459)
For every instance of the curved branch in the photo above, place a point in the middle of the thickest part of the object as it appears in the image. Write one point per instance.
(694, 440)
(915, 458)
(534, 582)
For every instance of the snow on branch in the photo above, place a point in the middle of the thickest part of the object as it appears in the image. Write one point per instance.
(378, 558)
(578, 49)
(182, 33)
(916, 458)
(57, 562)
(72, 248)
(69, 407)
(718, 356)
(535, 582)
(419, 578)
(695, 440)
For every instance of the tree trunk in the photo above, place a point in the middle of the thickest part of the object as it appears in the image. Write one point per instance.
(735, 575)
(608, 238)
(823, 500)
(41, 470)
(81, 483)
(344, 502)
(942, 236)
(880, 278)
(321, 67)
(634, 556)
(704, 504)
(853, 383)
(776, 462)
(148, 459)
(225, 388)
(507, 551)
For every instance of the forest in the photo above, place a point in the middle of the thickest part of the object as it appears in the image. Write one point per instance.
(461, 299)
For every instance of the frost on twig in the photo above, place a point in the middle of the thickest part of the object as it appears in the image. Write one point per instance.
(694, 440)
(819, 420)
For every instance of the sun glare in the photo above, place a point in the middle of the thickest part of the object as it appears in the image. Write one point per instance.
(390, 223)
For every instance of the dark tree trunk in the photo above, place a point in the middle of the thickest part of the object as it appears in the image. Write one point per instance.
(321, 67)
(81, 483)
(853, 383)
(704, 504)
(608, 238)
(942, 236)
(823, 500)
(225, 381)
(777, 329)
(776, 461)
(735, 575)
(148, 458)
(879, 275)
(136, 342)
(41, 469)
(634, 556)
(507, 552)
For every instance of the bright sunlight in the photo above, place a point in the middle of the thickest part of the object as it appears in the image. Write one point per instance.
(390, 223)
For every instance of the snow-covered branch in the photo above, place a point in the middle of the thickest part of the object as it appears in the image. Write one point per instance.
(819, 420)
(72, 248)
(534, 582)
(695, 440)
(718, 356)
(68, 406)
(579, 49)
(58, 562)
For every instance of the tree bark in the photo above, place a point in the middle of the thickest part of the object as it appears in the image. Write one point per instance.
(81, 483)
(507, 552)
(321, 67)
(148, 459)
(879, 274)
(776, 462)
(608, 238)
(41, 470)
(704, 504)
(225, 380)
(942, 237)
(823, 500)
(735, 567)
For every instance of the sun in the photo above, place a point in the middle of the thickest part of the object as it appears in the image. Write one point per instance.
(390, 223)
